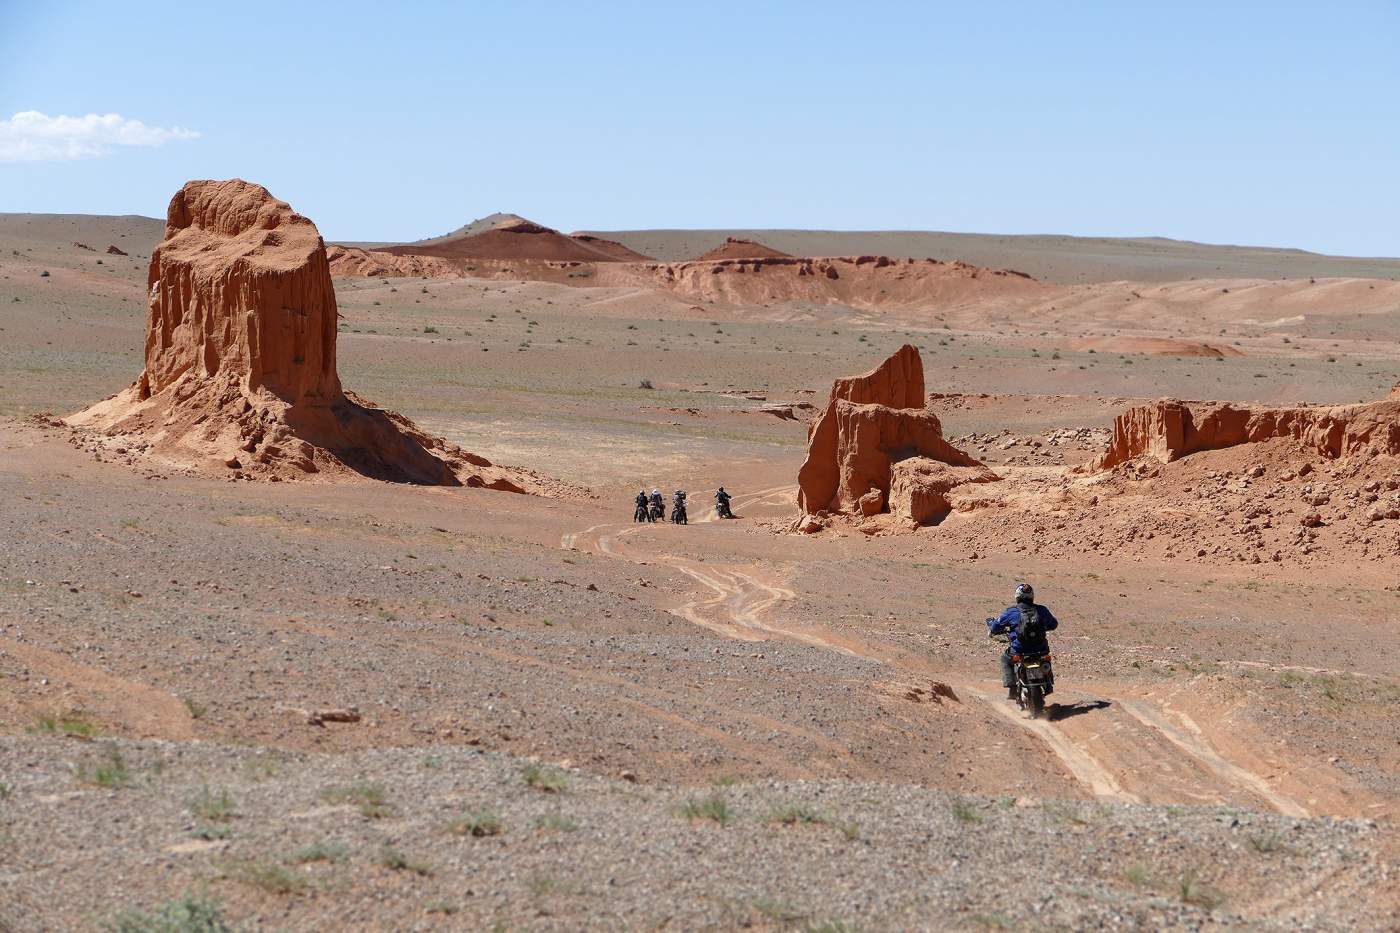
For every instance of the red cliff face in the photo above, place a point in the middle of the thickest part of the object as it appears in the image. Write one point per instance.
(240, 370)
(240, 286)
(870, 424)
(1168, 430)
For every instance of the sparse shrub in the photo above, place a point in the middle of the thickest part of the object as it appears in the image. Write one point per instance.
(429, 329)
(793, 814)
(965, 812)
(396, 860)
(188, 913)
(195, 708)
(44, 274)
(320, 852)
(1193, 891)
(1137, 875)
(216, 808)
(369, 796)
(542, 777)
(211, 831)
(1264, 843)
(110, 771)
(711, 807)
(644, 384)
(274, 879)
(479, 824)
(74, 723)
(557, 822)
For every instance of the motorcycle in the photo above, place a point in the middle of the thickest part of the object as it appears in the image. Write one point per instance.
(640, 515)
(657, 512)
(678, 512)
(1035, 679)
(722, 508)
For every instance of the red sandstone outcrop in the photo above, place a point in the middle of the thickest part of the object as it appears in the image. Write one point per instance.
(920, 487)
(867, 282)
(1169, 429)
(373, 264)
(240, 367)
(874, 430)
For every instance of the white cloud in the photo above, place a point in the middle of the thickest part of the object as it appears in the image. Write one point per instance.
(31, 136)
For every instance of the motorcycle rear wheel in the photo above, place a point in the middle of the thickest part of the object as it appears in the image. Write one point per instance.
(1035, 701)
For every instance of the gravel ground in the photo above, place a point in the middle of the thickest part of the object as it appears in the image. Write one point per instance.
(366, 840)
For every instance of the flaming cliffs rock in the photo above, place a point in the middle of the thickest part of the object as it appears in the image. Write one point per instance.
(876, 448)
(1169, 430)
(240, 369)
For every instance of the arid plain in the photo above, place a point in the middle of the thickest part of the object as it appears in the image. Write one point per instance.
(564, 720)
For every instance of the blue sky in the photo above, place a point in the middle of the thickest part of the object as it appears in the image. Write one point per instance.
(1258, 123)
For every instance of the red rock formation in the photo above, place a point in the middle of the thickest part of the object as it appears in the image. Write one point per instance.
(240, 356)
(870, 423)
(919, 487)
(1169, 429)
(240, 285)
(374, 264)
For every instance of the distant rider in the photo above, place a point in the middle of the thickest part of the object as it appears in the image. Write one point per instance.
(678, 506)
(1026, 623)
(641, 514)
(722, 504)
(658, 506)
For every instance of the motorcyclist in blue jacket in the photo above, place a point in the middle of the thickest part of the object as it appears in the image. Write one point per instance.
(1033, 642)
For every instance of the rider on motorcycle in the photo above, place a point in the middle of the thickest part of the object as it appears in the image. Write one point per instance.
(658, 506)
(722, 504)
(678, 506)
(1026, 640)
(640, 515)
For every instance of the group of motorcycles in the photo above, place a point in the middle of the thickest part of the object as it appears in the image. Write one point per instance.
(653, 508)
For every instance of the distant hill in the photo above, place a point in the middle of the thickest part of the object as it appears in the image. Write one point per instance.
(480, 225)
(1058, 259)
(512, 237)
(738, 248)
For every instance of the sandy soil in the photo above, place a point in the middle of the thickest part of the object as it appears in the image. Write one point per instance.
(1223, 741)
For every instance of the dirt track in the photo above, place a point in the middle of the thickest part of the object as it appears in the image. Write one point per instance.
(1116, 746)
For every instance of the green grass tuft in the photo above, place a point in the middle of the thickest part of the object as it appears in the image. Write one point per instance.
(321, 852)
(216, 808)
(188, 913)
(712, 807)
(479, 824)
(794, 814)
(369, 796)
(542, 777)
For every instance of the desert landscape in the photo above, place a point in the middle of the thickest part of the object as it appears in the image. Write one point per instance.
(324, 608)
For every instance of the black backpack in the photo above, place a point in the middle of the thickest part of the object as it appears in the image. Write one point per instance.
(1030, 633)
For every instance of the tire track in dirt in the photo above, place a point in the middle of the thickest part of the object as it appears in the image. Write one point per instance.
(1133, 753)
